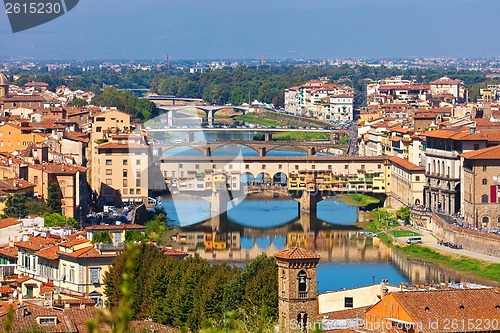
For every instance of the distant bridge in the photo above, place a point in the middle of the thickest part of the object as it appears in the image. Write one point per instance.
(261, 147)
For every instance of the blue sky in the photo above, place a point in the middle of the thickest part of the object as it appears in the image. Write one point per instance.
(105, 29)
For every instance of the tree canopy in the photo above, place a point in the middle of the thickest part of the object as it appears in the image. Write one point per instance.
(191, 294)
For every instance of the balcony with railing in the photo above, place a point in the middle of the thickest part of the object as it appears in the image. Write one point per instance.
(302, 294)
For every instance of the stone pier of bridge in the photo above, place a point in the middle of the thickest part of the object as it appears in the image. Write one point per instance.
(308, 209)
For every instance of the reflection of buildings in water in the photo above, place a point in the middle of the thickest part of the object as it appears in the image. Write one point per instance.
(231, 241)
(421, 272)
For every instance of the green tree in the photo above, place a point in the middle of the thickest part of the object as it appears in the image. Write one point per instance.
(16, 205)
(102, 237)
(58, 220)
(54, 198)
(404, 214)
(78, 102)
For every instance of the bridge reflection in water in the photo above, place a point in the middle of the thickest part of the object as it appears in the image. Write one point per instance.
(341, 247)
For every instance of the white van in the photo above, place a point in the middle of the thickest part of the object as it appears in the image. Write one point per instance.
(414, 240)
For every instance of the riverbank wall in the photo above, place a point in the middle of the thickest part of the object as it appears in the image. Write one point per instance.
(477, 241)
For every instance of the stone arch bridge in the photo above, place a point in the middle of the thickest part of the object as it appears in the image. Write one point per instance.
(260, 147)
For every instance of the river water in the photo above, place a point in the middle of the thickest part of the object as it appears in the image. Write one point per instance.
(349, 259)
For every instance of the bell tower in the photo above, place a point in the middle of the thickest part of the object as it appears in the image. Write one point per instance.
(297, 289)
(4, 86)
(487, 95)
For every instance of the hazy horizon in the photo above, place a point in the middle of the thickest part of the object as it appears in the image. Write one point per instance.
(223, 29)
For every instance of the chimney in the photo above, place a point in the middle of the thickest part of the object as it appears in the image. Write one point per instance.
(472, 129)
(383, 288)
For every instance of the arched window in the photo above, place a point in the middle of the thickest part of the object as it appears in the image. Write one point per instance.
(433, 166)
(302, 321)
(442, 168)
(485, 182)
(485, 220)
(302, 282)
(484, 198)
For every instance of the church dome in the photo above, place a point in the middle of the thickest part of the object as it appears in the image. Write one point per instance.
(3, 80)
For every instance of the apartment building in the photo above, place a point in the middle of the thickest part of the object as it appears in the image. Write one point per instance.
(16, 137)
(121, 172)
(71, 265)
(407, 183)
(72, 183)
(480, 181)
(443, 147)
(446, 86)
(120, 160)
(321, 100)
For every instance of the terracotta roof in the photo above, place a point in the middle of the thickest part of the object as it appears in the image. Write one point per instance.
(296, 253)
(173, 252)
(457, 305)
(405, 164)
(425, 115)
(36, 84)
(8, 222)
(8, 251)
(59, 168)
(49, 252)
(116, 145)
(75, 241)
(86, 252)
(446, 80)
(14, 184)
(36, 243)
(490, 153)
(32, 312)
(456, 135)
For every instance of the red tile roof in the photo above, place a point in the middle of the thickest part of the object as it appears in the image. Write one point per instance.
(296, 253)
(457, 305)
(86, 252)
(49, 252)
(490, 153)
(36, 243)
(75, 241)
(8, 222)
(32, 312)
(445, 80)
(14, 184)
(8, 251)
(405, 164)
(58, 168)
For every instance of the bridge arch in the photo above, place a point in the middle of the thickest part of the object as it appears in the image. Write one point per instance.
(263, 242)
(263, 178)
(280, 178)
(247, 178)
(277, 148)
(181, 150)
(246, 150)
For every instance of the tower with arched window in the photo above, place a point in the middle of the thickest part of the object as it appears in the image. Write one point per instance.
(297, 289)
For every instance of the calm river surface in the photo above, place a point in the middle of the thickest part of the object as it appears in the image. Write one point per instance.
(349, 259)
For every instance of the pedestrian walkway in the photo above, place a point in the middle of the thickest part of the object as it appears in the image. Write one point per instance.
(430, 241)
